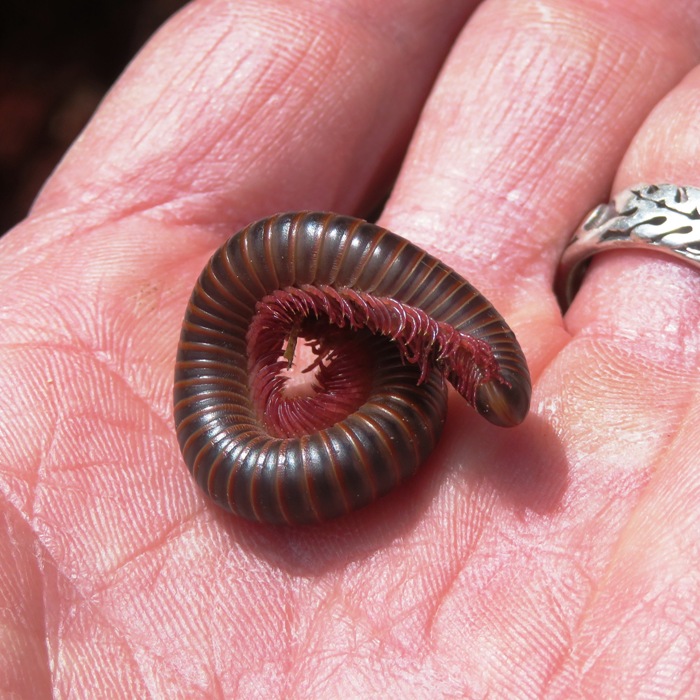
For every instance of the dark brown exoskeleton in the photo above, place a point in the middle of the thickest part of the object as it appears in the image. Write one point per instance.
(388, 323)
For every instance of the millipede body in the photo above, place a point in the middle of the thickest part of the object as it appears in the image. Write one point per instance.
(388, 326)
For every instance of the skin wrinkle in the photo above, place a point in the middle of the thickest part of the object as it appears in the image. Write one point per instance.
(605, 643)
(645, 347)
(159, 541)
(60, 651)
(155, 104)
(161, 103)
(565, 629)
(439, 597)
(32, 476)
(567, 654)
(306, 676)
(296, 65)
(392, 639)
(412, 615)
(568, 649)
(14, 522)
(37, 486)
(575, 82)
(270, 148)
(634, 18)
(134, 208)
(144, 660)
(669, 150)
(89, 354)
(100, 354)
(40, 560)
(458, 566)
(45, 558)
(60, 325)
(599, 591)
(556, 638)
(299, 637)
(114, 372)
(656, 472)
(488, 127)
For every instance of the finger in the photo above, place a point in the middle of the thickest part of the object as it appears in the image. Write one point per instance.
(646, 301)
(666, 149)
(239, 109)
(636, 349)
(522, 135)
(638, 308)
(525, 129)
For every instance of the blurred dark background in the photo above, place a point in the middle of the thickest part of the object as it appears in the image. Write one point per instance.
(57, 59)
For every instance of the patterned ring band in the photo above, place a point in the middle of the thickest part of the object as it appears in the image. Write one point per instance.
(665, 217)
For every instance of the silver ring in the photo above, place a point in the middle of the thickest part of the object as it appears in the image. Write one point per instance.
(663, 217)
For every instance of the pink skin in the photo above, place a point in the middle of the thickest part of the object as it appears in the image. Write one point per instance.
(555, 559)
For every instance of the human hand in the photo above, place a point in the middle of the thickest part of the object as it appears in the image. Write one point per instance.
(555, 559)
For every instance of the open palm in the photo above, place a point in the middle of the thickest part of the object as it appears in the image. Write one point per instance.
(556, 559)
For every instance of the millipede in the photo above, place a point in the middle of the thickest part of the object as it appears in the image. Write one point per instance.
(388, 327)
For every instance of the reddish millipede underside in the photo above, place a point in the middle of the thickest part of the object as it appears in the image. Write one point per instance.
(388, 324)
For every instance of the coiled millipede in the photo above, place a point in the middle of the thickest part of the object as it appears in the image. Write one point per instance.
(388, 324)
